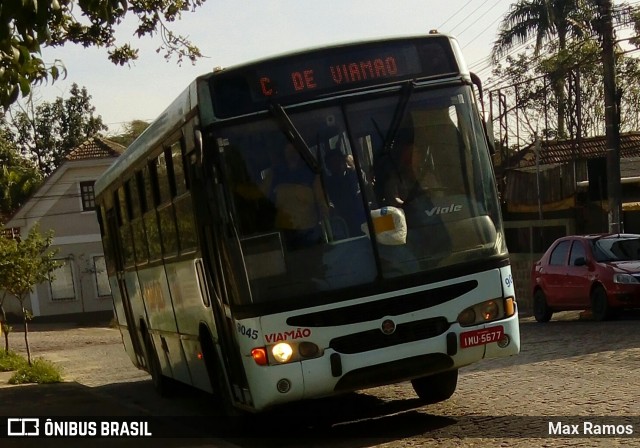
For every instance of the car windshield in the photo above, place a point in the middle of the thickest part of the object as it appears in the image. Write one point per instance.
(617, 248)
(412, 169)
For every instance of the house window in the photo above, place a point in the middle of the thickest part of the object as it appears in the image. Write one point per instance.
(61, 282)
(88, 196)
(12, 233)
(102, 279)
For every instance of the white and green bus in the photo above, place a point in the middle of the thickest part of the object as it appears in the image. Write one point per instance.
(310, 224)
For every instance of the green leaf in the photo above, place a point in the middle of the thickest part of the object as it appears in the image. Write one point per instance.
(25, 86)
(13, 96)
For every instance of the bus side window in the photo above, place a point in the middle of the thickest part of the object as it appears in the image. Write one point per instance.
(187, 238)
(106, 242)
(137, 226)
(166, 187)
(150, 218)
(177, 163)
(126, 241)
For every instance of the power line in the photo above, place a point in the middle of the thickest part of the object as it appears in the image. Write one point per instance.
(454, 14)
(469, 15)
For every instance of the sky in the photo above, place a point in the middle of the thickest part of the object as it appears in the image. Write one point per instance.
(230, 32)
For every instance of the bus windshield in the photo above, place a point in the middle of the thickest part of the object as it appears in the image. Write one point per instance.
(393, 186)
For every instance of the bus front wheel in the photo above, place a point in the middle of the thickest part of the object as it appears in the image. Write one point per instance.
(436, 388)
(217, 378)
(160, 382)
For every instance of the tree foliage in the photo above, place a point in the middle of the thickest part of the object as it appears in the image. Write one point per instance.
(550, 21)
(567, 55)
(47, 132)
(8, 250)
(535, 101)
(28, 262)
(131, 131)
(28, 25)
(19, 178)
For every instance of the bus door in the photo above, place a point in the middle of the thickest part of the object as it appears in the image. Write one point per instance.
(230, 351)
(203, 191)
(112, 225)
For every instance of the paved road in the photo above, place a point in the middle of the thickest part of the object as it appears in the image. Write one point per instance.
(571, 371)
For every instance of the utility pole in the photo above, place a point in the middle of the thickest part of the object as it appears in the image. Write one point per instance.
(611, 118)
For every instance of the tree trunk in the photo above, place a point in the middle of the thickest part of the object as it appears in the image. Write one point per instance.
(26, 334)
(4, 328)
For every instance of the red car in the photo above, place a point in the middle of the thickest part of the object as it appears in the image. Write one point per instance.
(597, 272)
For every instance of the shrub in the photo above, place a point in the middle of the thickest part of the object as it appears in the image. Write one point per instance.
(11, 361)
(40, 371)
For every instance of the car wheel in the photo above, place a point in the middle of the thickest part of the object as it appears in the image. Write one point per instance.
(600, 309)
(541, 310)
(436, 388)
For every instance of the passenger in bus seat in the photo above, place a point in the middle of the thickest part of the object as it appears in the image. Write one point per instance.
(296, 192)
(344, 191)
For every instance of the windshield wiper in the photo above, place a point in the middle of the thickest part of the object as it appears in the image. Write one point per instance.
(398, 115)
(289, 129)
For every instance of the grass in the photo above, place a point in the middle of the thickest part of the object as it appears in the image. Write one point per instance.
(40, 371)
(11, 361)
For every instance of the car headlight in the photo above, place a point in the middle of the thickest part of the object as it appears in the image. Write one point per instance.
(625, 279)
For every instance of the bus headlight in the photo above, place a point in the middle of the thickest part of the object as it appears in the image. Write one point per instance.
(467, 317)
(490, 310)
(282, 352)
(285, 352)
(486, 311)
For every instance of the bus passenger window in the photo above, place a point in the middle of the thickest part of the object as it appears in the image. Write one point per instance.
(137, 226)
(168, 230)
(186, 226)
(178, 168)
(125, 231)
(150, 218)
(162, 179)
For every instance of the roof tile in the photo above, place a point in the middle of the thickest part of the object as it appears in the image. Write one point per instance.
(96, 148)
(589, 148)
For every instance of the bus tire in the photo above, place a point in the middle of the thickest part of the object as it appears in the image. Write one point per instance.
(216, 377)
(436, 388)
(161, 383)
(541, 311)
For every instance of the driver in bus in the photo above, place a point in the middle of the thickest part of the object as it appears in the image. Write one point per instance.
(296, 192)
(412, 186)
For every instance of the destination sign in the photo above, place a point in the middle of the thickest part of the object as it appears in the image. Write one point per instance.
(300, 76)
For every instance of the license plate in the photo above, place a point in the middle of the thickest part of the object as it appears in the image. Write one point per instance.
(481, 337)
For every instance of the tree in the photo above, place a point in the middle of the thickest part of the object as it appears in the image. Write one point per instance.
(19, 178)
(131, 131)
(47, 132)
(28, 25)
(31, 264)
(528, 97)
(8, 249)
(546, 20)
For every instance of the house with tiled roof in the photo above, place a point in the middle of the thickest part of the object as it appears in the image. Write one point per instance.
(571, 173)
(65, 203)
